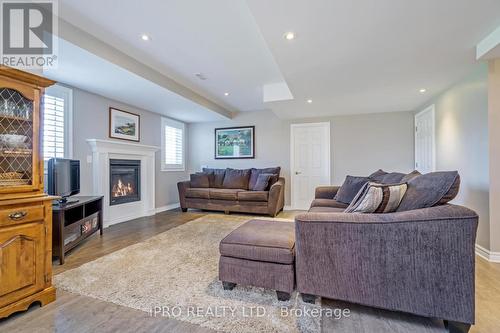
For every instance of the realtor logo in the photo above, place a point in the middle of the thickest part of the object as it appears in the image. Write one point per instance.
(28, 29)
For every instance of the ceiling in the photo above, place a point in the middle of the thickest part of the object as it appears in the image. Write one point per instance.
(348, 57)
(80, 68)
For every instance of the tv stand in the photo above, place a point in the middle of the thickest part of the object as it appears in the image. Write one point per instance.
(63, 202)
(73, 222)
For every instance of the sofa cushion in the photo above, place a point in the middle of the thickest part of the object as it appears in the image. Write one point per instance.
(410, 176)
(216, 176)
(254, 174)
(391, 178)
(378, 175)
(261, 240)
(253, 195)
(350, 188)
(431, 189)
(377, 198)
(199, 180)
(318, 209)
(224, 194)
(328, 203)
(199, 193)
(236, 179)
(262, 183)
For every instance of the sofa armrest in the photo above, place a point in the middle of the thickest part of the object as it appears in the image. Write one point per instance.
(276, 200)
(419, 261)
(182, 187)
(326, 192)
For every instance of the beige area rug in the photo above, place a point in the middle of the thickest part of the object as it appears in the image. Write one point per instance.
(174, 274)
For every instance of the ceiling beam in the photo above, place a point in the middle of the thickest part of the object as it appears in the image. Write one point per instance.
(95, 46)
(489, 48)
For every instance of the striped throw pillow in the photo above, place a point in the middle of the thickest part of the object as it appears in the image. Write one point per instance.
(377, 198)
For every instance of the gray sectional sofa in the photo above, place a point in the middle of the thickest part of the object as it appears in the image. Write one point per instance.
(419, 261)
(234, 190)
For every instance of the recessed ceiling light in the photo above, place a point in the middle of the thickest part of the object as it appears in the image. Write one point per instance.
(226, 94)
(200, 76)
(145, 37)
(289, 35)
(309, 101)
(422, 90)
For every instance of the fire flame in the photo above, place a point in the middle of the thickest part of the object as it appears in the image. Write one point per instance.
(122, 190)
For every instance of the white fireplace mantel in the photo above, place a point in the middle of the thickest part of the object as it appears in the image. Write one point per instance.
(102, 152)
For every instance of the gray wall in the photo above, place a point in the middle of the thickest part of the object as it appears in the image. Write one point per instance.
(360, 144)
(91, 121)
(462, 143)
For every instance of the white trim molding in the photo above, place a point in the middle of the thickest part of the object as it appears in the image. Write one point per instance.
(487, 254)
(167, 207)
(102, 152)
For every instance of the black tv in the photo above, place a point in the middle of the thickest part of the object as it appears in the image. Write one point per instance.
(63, 178)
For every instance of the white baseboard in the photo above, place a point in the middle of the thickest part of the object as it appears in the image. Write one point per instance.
(167, 207)
(487, 254)
(287, 208)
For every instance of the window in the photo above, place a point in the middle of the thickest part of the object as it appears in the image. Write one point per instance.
(173, 145)
(57, 138)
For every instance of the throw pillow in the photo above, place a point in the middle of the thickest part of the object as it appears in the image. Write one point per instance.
(435, 188)
(377, 198)
(410, 176)
(199, 180)
(350, 188)
(392, 178)
(254, 174)
(377, 175)
(262, 182)
(216, 176)
(236, 179)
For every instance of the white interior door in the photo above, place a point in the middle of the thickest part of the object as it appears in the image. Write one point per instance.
(310, 161)
(425, 150)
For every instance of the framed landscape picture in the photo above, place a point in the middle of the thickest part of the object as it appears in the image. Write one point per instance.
(235, 142)
(124, 125)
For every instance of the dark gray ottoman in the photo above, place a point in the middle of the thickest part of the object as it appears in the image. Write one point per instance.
(259, 253)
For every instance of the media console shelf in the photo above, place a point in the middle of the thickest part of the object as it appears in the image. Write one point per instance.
(74, 222)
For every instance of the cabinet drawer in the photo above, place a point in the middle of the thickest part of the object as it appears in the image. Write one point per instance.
(21, 214)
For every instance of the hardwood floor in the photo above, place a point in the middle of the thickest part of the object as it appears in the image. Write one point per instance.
(75, 313)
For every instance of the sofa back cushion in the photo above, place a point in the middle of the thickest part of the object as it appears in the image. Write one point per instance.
(350, 188)
(377, 198)
(199, 180)
(431, 189)
(236, 179)
(215, 177)
(262, 183)
(254, 175)
(378, 175)
(392, 178)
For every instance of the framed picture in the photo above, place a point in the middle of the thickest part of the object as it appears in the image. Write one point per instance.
(235, 142)
(124, 125)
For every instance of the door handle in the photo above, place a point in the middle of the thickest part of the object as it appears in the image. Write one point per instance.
(17, 215)
(298, 172)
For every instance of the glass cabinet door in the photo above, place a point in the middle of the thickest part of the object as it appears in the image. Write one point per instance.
(16, 139)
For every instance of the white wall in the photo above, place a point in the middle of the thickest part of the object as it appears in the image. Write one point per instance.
(91, 121)
(462, 143)
(360, 144)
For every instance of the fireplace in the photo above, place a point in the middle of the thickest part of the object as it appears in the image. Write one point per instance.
(124, 181)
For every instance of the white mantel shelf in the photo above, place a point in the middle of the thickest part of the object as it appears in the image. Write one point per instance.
(102, 152)
(99, 144)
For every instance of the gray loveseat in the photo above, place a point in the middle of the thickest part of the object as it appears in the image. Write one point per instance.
(417, 261)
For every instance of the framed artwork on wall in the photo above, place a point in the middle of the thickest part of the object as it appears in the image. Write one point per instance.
(124, 125)
(235, 142)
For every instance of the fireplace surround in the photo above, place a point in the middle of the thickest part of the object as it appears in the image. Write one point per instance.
(105, 150)
(124, 181)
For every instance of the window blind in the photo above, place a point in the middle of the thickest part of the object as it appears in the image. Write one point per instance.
(173, 145)
(53, 127)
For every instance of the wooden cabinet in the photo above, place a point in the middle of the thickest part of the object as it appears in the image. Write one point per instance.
(25, 211)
